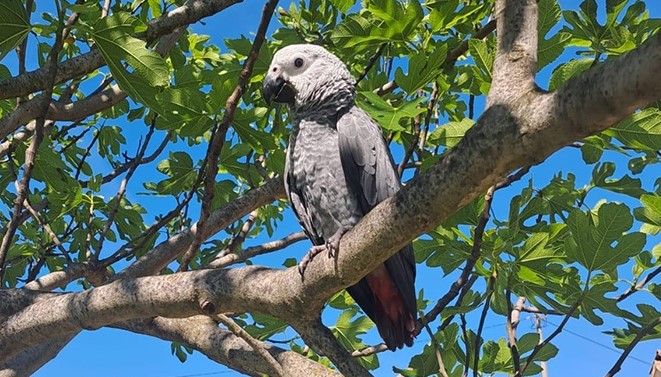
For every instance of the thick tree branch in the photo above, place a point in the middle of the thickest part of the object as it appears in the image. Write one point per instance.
(516, 57)
(202, 333)
(59, 279)
(191, 12)
(426, 201)
(30, 360)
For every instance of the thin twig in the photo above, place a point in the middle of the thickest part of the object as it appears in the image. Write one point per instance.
(46, 227)
(555, 333)
(124, 167)
(87, 152)
(250, 252)
(534, 310)
(371, 62)
(437, 347)
(370, 350)
(450, 59)
(644, 331)
(276, 368)
(464, 335)
(411, 148)
(30, 153)
(238, 239)
(480, 326)
(538, 327)
(470, 262)
(512, 178)
(216, 145)
(431, 106)
(105, 9)
(122, 189)
(464, 290)
(635, 288)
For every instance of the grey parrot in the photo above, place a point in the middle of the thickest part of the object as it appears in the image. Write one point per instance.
(338, 167)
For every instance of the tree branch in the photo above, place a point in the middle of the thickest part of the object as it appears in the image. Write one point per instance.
(216, 145)
(451, 57)
(644, 331)
(516, 58)
(75, 111)
(269, 247)
(257, 346)
(191, 12)
(23, 188)
(202, 333)
(157, 258)
(322, 340)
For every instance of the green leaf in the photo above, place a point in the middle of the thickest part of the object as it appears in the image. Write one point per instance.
(450, 134)
(265, 326)
(613, 10)
(14, 25)
(112, 35)
(535, 249)
(641, 130)
(592, 236)
(346, 331)
(625, 185)
(179, 168)
(387, 116)
(353, 30)
(481, 55)
(597, 299)
(185, 110)
(568, 70)
(422, 69)
(649, 214)
(549, 49)
(343, 5)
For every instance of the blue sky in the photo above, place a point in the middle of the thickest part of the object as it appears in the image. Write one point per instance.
(584, 350)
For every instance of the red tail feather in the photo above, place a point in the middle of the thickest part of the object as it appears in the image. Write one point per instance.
(395, 324)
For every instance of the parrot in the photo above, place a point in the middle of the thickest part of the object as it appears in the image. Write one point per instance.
(337, 168)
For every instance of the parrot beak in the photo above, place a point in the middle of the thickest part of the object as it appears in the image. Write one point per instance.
(278, 91)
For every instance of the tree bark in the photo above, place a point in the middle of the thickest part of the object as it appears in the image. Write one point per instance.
(521, 126)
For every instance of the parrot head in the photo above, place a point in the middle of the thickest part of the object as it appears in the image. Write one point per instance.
(304, 76)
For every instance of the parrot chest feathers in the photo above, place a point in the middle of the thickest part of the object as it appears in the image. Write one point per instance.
(314, 164)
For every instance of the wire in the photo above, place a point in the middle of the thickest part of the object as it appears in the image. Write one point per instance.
(610, 348)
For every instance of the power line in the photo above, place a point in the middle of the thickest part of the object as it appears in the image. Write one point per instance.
(610, 348)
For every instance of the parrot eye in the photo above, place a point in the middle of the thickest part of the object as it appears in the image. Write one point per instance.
(298, 62)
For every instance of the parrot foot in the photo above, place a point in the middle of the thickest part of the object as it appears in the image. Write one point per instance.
(332, 246)
(333, 243)
(313, 252)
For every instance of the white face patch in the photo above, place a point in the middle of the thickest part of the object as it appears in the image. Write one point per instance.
(311, 71)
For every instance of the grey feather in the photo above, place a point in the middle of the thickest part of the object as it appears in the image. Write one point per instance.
(338, 168)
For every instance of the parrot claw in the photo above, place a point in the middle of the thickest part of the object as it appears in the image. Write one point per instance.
(332, 246)
(313, 252)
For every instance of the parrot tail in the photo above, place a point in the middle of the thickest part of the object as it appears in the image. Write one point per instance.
(396, 324)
